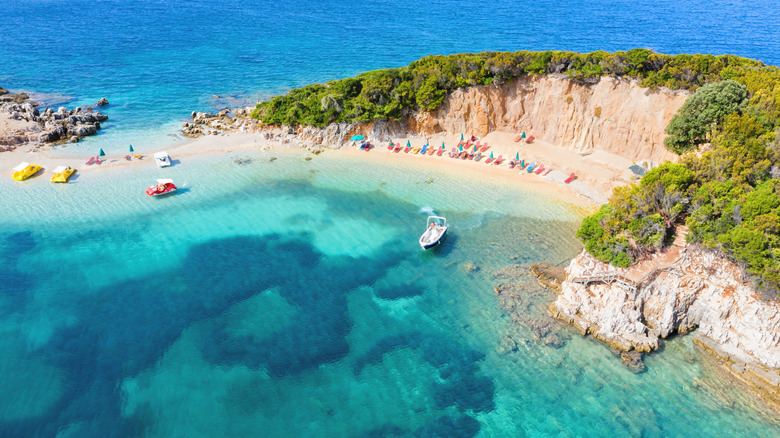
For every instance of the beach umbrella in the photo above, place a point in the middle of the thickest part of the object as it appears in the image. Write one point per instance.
(131, 148)
(461, 137)
(357, 137)
(408, 144)
(460, 147)
(491, 155)
(517, 156)
(522, 135)
(475, 149)
(102, 154)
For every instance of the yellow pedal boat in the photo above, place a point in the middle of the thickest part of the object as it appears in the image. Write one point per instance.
(25, 170)
(62, 174)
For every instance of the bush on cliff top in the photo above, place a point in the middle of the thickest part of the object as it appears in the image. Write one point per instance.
(423, 84)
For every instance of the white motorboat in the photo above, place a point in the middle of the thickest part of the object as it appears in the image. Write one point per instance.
(162, 159)
(437, 228)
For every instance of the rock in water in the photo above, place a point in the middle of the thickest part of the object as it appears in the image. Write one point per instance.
(102, 101)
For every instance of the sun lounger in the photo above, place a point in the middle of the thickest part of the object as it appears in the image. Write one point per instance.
(454, 152)
(139, 156)
(530, 139)
(539, 169)
(424, 149)
(499, 159)
(489, 160)
(431, 150)
(531, 167)
(407, 149)
(441, 151)
(518, 138)
(128, 157)
(512, 164)
(415, 150)
(570, 178)
(478, 156)
(97, 160)
(391, 146)
(90, 161)
(546, 171)
(484, 147)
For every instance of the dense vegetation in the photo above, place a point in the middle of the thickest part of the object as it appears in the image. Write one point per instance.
(728, 196)
(423, 84)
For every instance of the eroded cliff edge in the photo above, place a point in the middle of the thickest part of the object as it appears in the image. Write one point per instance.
(614, 115)
(695, 288)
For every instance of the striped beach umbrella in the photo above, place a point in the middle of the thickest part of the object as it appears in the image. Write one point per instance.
(102, 154)
(131, 148)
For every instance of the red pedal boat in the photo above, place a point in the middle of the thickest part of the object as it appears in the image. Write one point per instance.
(163, 187)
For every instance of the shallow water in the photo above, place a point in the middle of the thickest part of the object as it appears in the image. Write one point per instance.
(291, 297)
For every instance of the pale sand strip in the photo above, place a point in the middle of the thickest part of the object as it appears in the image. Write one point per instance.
(597, 173)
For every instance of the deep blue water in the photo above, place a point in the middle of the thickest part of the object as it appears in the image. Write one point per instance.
(289, 298)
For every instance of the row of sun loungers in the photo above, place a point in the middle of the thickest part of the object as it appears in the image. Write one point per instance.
(473, 151)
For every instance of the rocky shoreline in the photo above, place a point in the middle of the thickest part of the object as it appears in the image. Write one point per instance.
(697, 290)
(24, 124)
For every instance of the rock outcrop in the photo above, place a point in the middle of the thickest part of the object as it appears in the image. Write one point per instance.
(23, 123)
(699, 290)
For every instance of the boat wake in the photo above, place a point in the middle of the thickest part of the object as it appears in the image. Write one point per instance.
(427, 211)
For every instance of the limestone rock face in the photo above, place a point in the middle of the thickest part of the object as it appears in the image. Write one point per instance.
(701, 289)
(617, 116)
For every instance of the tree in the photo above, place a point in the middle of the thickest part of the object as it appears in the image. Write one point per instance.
(702, 111)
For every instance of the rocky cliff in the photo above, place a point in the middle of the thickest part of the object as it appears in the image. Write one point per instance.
(617, 116)
(698, 289)
(614, 115)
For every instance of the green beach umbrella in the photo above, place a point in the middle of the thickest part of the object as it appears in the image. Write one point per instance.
(517, 156)
(102, 154)
(131, 148)
(475, 149)
(522, 135)
(357, 137)
(460, 147)
(491, 154)
(408, 144)
(461, 137)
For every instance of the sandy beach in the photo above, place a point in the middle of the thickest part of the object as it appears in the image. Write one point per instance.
(597, 173)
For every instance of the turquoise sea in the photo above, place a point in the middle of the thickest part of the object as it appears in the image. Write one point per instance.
(279, 297)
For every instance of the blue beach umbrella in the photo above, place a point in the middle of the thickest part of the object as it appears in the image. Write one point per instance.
(131, 148)
(522, 135)
(102, 154)
(461, 137)
(460, 147)
(517, 156)
(357, 137)
(475, 149)
(491, 154)
(408, 144)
